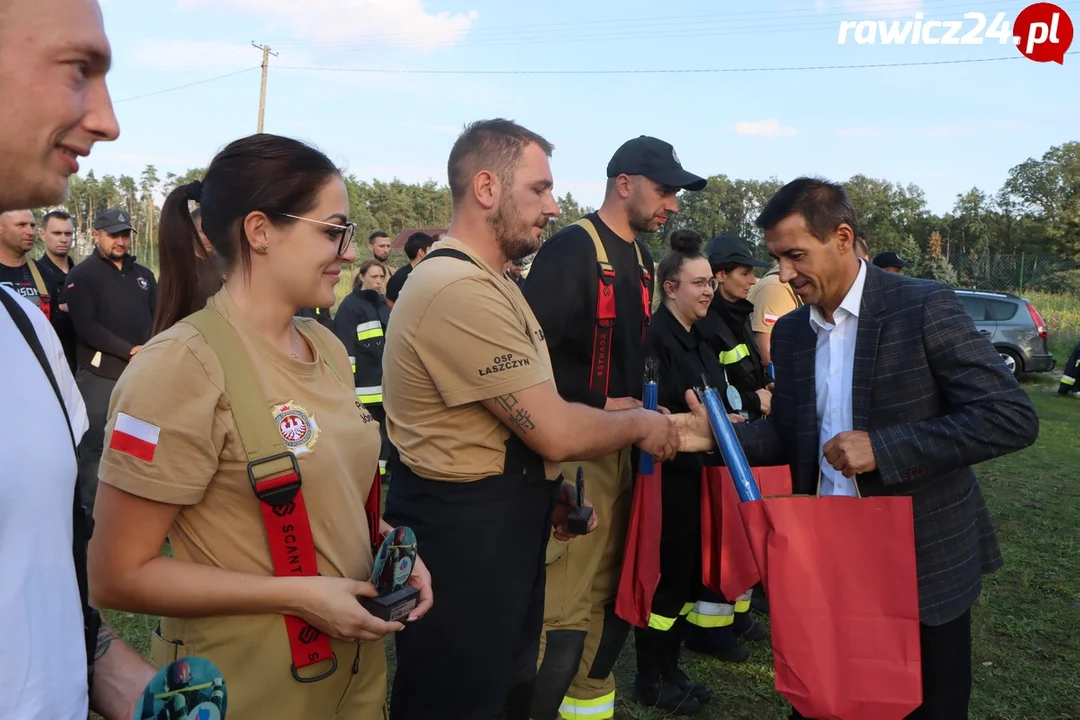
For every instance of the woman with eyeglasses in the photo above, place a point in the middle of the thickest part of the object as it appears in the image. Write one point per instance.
(360, 325)
(722, 624)
(264, 585)
(686, 285)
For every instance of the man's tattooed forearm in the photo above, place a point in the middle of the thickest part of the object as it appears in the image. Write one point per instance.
(517, 415)
(105, 637)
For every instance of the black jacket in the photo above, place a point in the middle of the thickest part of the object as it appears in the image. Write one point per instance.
(727, 329)
(360, 324)
(112, 310)
(320, 315)
(681, 359)
(55, 280)
(561, 289)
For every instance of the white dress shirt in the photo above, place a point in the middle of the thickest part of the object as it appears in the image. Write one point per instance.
(834, 363)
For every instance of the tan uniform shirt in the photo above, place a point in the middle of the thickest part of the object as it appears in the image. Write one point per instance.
(462, 334)
(772, 300)
(173, 391)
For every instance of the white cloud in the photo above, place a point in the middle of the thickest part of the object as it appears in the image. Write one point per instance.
(861, 132)
(363, 23)
(763, 128)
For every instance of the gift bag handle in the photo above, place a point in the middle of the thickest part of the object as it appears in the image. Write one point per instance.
(854, 480)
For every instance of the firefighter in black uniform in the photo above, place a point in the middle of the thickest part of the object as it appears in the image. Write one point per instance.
(716, 623)
(1071, 372)
(591, 288)
(111, 300)
(479, 426)
(686, 285)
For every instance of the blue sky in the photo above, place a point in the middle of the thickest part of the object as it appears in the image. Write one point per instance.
(944, 127)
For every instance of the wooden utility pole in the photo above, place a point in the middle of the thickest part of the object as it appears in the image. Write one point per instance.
(262, 91)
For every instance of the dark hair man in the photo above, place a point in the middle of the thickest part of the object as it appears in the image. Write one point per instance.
(907, 396)
(111, 299)
(379, 244)
(58, 233)
(54, 56)
(600, 365)
(480, 428)
(416, 248)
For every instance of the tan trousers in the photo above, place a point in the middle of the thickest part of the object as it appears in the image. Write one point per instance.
(583, 578)
(252, 652)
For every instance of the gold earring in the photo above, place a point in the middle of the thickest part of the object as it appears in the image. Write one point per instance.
(261, 249)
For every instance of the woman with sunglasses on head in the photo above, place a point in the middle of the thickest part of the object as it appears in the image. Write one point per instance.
(360, 325)
(686, 286)
(265, 586)
(720, 625)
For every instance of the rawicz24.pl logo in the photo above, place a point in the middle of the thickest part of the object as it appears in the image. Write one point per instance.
(1041, 32)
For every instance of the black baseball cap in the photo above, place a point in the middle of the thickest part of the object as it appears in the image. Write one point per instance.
(731, 250)
(113, 221)
(889, 259)
(656, 160)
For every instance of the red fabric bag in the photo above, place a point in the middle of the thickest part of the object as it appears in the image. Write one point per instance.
(841, 580)
(640, 574)
(727, 562)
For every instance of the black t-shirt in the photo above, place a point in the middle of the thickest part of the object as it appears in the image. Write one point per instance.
(20, 280)
(561, 288)
(397, 281)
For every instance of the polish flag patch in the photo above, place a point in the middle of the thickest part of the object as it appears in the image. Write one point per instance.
(134, 437)
(771, 319)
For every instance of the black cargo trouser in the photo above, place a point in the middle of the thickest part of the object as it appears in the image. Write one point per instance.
(474, 654)
(96, 391)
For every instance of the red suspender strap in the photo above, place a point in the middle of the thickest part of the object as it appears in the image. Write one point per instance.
(292, 550)
(646, 305)
(605, 326)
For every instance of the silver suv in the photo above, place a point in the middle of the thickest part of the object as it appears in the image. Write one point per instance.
(1013, 325)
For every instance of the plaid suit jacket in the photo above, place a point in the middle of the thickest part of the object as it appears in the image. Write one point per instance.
(935, 398)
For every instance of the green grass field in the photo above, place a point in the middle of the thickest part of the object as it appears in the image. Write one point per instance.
(1027, 623)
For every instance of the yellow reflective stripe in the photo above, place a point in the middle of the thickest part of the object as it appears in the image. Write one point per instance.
(369, 395)
(599, 709)
(742, 606)
(369, 330)
(1066, 380)
(352, 364)
(735, 354)
(709, 615)
(661, 623)
(686, 609)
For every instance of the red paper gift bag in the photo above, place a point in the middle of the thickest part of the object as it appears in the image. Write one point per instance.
(843, 603)
(728, 566)
(640, 574)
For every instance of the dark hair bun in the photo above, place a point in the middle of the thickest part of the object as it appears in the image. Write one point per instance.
(686, 241)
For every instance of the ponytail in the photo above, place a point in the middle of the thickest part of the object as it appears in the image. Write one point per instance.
(178, 284)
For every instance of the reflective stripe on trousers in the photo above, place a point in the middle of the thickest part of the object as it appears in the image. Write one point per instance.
(599, 709)
(370, 395)
(710, 615)
(659, 622)
(735, 354)
(369, 330)
(1066, 380)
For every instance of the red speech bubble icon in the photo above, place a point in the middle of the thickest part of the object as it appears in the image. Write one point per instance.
(1043, 32)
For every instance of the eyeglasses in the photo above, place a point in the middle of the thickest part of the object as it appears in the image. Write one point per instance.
(344, 235)
(701, 283)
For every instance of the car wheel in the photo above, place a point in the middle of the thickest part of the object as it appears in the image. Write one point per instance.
(1011, 361)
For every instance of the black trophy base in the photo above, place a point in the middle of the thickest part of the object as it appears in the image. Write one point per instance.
(394, 607)
(578, 519)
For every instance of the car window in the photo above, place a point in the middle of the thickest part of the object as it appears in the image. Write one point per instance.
(975, 307)
(1001, 310)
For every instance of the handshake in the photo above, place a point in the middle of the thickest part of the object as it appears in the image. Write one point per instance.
(664, 434)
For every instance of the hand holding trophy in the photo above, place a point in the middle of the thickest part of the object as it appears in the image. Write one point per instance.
(394, 564)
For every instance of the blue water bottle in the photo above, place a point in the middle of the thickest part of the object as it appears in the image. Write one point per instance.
(728, 443)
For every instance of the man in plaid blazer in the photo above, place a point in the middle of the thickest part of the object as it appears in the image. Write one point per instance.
(883, 379)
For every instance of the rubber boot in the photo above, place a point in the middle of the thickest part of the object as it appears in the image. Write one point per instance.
(718, 642)
(674, 674)
(651, 688)
(759, 603)
(747, 628)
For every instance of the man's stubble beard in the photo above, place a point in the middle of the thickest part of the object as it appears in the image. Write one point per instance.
(512, 231)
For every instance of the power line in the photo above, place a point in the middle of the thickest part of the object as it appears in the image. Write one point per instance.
(181, 87)
(594, 28)
(655, 71)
